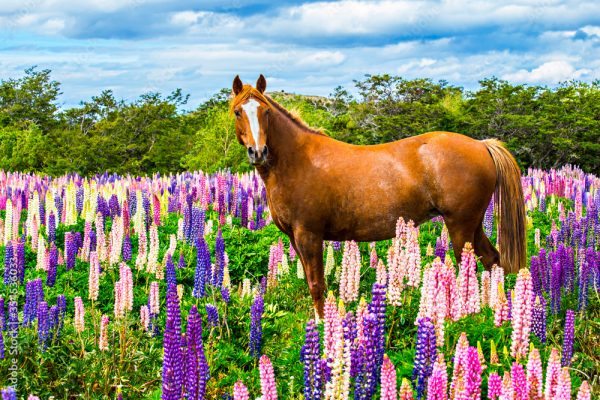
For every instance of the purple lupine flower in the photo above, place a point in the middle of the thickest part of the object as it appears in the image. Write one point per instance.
(196, 368)
(79, 197)
(196, 228)
(545, 272)
(172, 380)
(181, 262)
(132, 203)
(567, 351)
(13, 319)
(170, 274)
(1, 345)
(52, 263)
(509, 301)
(61, 303)
(217, 278)
(488, 219)
(377, 308)
(263, 285)
(538, 318)
(440, 249)
(244, 209)
(113, 205)
(225, 295)
(585, 273)
(203, 268)
(9, 393)
(536, 275)
(350, 329)
(425, 356)
(70, 251)
(366, 379)
(20, 260)
(2, 315)
(310, 356)
(126, 249)
(51, 227)
(10, 267)
(93, 240)
(555, 290)
(256, 313)
(42, 317)
(53, 318)
(212, 314)
(337, 246)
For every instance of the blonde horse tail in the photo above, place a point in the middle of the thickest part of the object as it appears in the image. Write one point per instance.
(511, 207)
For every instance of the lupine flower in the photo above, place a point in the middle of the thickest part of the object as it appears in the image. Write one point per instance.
(567, 352)
(458, 383)
(79, 320)
(519, 382)
(552, 375)
(521, 314)
(373, 258)
(388, 380)
(70, 251)
(494, 386)
(10, 267)
(584, 392)
(267, 379)
(172, 379)
(488, 219)
(42, 317)
(310, 357)
(196, 368)
(563, 389)
(126, 250)
(217, 278)
(203, 268)
(181, 262)
(468, 299)
(329, 260)
(103, 341)
(1, 345)
(256, 312)
(154, 299)
(534, 375)
(240, 392)
(437, 386)
(350, 278)
(94, 276)
(299, 269)
(212, 314)
(497, 278)
(538, 319)
(406, 392)
(145, 317)
(170, 267)
(9, 393)
(425, 356)
(485, 288)
(507, 387)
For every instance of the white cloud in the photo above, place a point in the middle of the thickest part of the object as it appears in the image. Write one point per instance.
(551, 72)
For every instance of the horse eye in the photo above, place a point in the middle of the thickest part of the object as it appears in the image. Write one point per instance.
(237, 113)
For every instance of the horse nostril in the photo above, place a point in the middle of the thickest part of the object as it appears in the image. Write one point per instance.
(265, 152)
(250, 151)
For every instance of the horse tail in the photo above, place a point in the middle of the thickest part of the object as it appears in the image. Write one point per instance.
(511, 207)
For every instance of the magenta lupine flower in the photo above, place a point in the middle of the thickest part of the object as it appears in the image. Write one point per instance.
(292, 253)
(388, 380)
(584, 392)
(534, 375)
(468, 298)
(172, 379)
(521, 314)
(267, 379)
(552, 375)
(563, 388)
(240, 391)
(567, 352)
(494, 386)
(473, 374)
(519, 382)
(437, 386)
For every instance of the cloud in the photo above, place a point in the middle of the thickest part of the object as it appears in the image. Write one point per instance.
(551, 72)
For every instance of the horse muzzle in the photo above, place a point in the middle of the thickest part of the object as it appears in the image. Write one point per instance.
(258, 156)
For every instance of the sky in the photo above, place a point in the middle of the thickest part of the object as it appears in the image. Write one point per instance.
(309, 47)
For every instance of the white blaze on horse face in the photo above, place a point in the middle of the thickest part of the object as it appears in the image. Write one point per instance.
(251, 109)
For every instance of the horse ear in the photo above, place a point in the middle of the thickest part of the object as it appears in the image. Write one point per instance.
(261, 83)
(237, 85)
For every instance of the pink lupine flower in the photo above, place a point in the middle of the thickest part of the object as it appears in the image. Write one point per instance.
(494, 386)
(584, 391)
(552, 375)
(373, 258)
(142, 257)
(126, 279)
(473, 374)
(563, 388)
(103, 342)
(267, 379)
(381, 273)
(154, 298)
(397, 264)
(388, 380)
(522, 307)
(413, 258)
(485, 288)
(468, 299)
(437, 386)
(79, 320)
(119, 307)
(332, 325)
(94, 276)
(519, 382)
(406, 392)
(497, 278)
(459, 371)
(534, 375)
(240, 391)
(145, 317)
(500, 307)
(350, 278)
(507, 387)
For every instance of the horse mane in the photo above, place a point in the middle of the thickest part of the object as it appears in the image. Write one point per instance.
(248, 91)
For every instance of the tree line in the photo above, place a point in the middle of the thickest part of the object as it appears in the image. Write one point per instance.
(543, 126)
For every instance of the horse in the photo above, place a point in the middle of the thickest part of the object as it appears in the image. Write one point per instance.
(319, 188)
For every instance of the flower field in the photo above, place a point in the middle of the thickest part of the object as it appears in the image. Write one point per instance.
(181, 287)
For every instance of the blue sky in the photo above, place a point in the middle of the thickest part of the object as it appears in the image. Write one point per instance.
(310, 47)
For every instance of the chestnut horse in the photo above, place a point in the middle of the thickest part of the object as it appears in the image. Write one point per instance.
(319, 188)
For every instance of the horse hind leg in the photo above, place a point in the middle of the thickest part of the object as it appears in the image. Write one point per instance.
(484, 249)
(460, 233)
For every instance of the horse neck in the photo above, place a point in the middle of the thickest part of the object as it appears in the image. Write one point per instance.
(284, 139)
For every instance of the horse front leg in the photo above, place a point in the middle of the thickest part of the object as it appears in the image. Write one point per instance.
(309, 247)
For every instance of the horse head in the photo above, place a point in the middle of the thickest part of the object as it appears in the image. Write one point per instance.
(251, 109)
